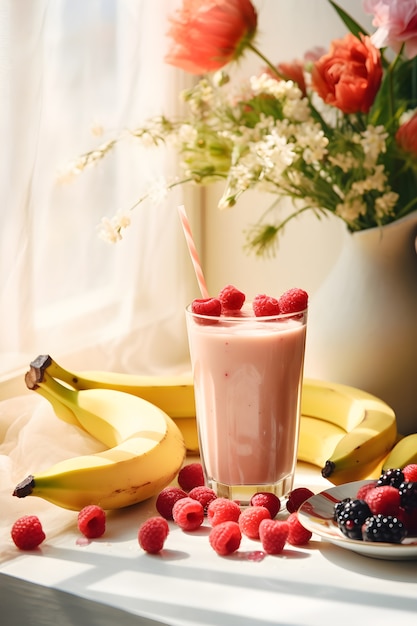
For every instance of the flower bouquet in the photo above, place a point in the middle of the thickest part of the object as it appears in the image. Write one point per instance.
(336, 131)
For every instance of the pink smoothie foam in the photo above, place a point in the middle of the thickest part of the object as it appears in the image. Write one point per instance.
(247, 377)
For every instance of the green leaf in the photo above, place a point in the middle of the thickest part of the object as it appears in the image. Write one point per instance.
(352, 25)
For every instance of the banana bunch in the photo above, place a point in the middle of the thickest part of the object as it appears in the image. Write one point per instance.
(346, 432)
(172, 394)
(403, 453)
(145, 448)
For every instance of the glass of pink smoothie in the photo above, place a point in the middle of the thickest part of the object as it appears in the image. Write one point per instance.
(247, 381)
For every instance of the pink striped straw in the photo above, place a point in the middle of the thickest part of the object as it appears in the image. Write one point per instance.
(193, 252)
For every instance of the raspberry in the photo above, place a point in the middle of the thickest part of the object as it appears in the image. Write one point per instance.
(273, 535)
(296, 498)
(225, 538)
(297, 534)
(231, 298)
(250, 519)
(212, 307)
(204, 495)
(384, 500)
(27, 532)
(191, 476)
(410, 472)
(269, 500)
(92, 521)
(152, 534)
(188, 513)
(363, 490)
(166, 500)
(265, 305)
(222, 510)
(293, 301)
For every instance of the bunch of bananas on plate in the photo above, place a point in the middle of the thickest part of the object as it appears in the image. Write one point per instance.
(144, 447)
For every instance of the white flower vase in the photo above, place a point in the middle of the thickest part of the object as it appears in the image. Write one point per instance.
(363, 320)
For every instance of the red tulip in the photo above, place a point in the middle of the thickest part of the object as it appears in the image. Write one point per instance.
(349, 76)
(406, 135)
(208, 34)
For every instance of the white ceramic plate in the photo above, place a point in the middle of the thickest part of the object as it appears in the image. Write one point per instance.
(316, 514)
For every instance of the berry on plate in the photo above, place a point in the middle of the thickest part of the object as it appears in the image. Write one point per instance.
(231, 298)
(152, 534)
(265, 305)
(166, 500)
(225, 538)
(188, 513)
(273, 535)
(92, 521)
(27, 532)
(191, 476)
(384, 500)
(222, 510)
(410, 472)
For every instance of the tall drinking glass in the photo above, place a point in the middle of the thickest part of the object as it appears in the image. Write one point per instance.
(248, 375)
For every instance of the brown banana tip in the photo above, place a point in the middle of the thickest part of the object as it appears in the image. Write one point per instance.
(25, 488)
(37, 369)
(328, 469)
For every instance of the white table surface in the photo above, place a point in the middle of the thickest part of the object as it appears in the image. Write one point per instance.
(111, 581)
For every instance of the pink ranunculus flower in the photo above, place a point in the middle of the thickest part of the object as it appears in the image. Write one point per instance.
(396, 23)
(406, 136)
(349, 75)
(208, 34)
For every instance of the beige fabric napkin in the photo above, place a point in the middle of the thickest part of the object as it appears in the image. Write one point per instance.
(32, 438)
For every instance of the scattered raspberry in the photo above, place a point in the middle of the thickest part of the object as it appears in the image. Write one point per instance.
(204, 495)
(297, 497)
(297, 534)
(269, 500)
(265, 305)
(188, 513)
(273, 535)
(92, 521)
(363, 490)
(166, 500)
(410, 472)
(225, 538)
(152, 534)
(212, 307)
(384, 500)
(27, 532)
(191, 476)
(231, 298)
(293, 301)
(250, 519)
(222, 510)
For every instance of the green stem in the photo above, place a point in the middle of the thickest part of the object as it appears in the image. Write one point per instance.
(272, 67)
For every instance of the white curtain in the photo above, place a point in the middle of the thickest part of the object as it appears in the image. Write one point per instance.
(67, 66)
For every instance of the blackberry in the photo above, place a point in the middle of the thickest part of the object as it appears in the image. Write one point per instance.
(338, 508)
(386, 528)
(393, 477)
(351, 516)
(408, 495)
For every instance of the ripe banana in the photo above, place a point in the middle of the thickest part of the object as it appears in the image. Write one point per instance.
(317, 440)
(172, 394)
(361, 449)
(146, 449)
(403, 453)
